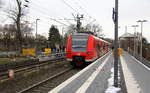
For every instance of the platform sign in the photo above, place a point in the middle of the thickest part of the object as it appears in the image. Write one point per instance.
(28, 52)
(120, 51)
(48, 51)
(11, 73)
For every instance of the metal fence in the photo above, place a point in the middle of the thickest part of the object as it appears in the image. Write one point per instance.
(34, 61)
(8, 54)
(17, 64)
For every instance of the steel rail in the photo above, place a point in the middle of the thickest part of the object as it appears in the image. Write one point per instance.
(44, 81)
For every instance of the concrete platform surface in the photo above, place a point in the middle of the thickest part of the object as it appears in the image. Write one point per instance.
(137, 75)
(92, 79)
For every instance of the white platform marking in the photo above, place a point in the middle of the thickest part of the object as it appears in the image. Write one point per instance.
(140, 63)
(89, 81)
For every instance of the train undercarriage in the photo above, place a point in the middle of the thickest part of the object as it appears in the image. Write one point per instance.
(78, 61)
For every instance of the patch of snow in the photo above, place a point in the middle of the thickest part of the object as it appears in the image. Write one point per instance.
(111, 88)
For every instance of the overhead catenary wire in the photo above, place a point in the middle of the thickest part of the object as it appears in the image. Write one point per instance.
(84, 10)
(69, 6)
(48, 16)
(45, 23)
(43, 10)
(80, 7)
(46, 9)
(41, 22)
(58, 21)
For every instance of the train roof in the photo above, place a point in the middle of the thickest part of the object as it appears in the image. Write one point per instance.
(90, 33)
(86, 32)
(102, 40)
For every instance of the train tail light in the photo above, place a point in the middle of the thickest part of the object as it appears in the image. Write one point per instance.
(68, 52)
(89, 52)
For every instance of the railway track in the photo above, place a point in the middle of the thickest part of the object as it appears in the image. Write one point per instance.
(17, 70)
(29, 77)
(43, 86)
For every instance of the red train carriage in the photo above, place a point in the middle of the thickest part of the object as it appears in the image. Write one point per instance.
(83, 47)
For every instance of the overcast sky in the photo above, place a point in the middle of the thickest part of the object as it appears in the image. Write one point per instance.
(129, 12)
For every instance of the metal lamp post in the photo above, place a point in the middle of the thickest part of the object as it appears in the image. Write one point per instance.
(141, 21)
(36, 27)
(134, 26)
(63, 36)
(36, 35)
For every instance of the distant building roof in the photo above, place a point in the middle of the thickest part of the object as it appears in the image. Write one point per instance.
(126, 35)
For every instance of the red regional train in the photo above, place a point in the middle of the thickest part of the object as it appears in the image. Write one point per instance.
(85, 48)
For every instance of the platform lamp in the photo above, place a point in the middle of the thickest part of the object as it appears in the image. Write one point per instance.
(36, 35)
(141, 21)
(135, 26)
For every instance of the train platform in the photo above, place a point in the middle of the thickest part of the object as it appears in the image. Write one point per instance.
(92, 79)
(98, 77)
(136, 74)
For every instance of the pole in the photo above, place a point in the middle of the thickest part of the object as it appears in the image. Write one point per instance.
(135, 41)
(63, 32)
(116, 46)
(141, 41)
(63, 35)
(36, 35)
(134, 38)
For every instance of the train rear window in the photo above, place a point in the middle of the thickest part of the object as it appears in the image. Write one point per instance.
(79, 43)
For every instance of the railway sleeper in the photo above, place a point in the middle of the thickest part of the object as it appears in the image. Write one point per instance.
(44, 88)
(38, 91)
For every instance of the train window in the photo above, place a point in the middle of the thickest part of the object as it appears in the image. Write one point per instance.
(98, 46)
(79, 45)
(79, 42)
(103, 46)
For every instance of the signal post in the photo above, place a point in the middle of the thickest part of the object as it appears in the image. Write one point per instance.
(116, 45)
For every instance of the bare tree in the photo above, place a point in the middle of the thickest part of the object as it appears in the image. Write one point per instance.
(16, 15)
(27, 35)
(71, 29)
(1, 35)
(94, 28)
(41, 41)
(7, 36)
(26, 29)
